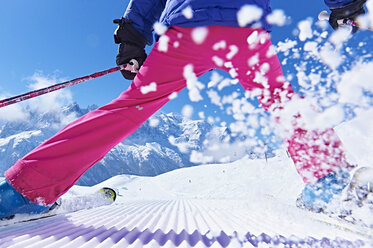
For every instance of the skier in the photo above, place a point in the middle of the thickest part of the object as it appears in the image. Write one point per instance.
(38, 179)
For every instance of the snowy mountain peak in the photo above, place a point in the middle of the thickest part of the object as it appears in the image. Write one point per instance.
(163, 143)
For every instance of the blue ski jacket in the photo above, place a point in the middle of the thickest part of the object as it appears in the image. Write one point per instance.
(144, 13)
(337, 3)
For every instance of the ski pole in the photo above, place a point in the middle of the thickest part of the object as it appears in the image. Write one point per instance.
(131, 66)
(324, 16)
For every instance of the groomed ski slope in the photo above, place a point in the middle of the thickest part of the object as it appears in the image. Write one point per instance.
(246, 203)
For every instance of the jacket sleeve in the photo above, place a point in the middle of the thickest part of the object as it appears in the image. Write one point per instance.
(143, 14)
(337, 3)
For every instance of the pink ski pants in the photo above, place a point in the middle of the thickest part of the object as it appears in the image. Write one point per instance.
(49, 170)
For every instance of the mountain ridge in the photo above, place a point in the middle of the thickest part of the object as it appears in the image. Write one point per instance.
(163, 143)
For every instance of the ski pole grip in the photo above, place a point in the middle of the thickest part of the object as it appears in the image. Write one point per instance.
(324, 16)
(135, 65)
(132, 66)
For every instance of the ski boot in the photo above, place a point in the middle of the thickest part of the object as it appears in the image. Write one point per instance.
(12, 202)
(315, 197)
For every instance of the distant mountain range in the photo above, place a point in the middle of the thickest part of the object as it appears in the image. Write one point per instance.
(164, 143)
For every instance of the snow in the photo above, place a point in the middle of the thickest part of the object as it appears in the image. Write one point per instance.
(154, 122)
(340, 36)
(233, 50)
(193, 85)
(252, 38)
(187, 111)
(286, 47)
(359, 139)
(253, 60)
(305, 28)
(248, 14)
(241, 179)
(152, 87)
(220, 45)
(218, 61)
(163, 43)
(199, 34)
(310, 46)
(215, 98)
(233, 194)
(159, 28)
(188, 12)
(330, 57)
(277, 17)
(173, 95)
(223, 204)
(354, 83)
(18, 138)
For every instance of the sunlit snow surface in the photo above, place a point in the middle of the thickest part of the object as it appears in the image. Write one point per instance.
(249, 203)
(241, 204)
(246, 203)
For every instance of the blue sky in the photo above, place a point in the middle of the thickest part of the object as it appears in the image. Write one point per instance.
(70, 38)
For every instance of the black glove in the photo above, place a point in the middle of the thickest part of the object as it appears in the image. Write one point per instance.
(348, 12)
(131, 46)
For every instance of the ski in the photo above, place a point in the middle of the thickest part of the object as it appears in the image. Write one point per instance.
(333, 220)
(343, 224)
(103, 196)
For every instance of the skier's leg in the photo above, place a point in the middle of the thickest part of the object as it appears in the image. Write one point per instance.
(317, 154)
(52, 168)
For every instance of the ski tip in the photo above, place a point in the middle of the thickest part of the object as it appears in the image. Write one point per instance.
(109, 193)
